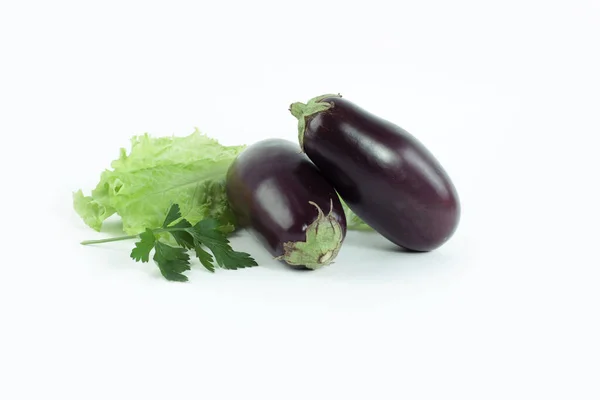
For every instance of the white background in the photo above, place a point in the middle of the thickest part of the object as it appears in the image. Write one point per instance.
(506, 94)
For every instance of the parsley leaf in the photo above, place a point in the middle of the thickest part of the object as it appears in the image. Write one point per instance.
(142, 249)
(182, 236)
(206, 232)
(206, 259)
(173, 215)
(172, 261)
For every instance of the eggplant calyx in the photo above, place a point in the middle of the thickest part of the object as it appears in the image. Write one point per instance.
(301, 111)
(324, 237)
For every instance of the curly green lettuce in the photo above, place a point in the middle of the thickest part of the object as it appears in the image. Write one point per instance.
(353, 221)
(158, 172)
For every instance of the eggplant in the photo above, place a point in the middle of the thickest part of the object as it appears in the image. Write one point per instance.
(279, 195)
(386, 176)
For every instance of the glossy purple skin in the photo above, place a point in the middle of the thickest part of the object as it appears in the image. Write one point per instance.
(269, 187)
(384, 174)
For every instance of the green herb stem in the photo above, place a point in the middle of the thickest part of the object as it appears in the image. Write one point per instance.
(119, 238)
(115, 239)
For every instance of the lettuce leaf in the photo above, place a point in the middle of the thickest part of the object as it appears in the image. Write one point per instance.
(353, 221)
(158, 172)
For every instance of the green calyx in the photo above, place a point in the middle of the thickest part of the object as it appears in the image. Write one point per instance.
(324, 237)
(301, 111)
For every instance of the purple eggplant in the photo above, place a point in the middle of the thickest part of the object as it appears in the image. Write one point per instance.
(383, 173)
(279, 195)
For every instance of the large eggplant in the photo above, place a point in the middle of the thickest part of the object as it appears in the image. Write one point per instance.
(383, 173)
(278, 194)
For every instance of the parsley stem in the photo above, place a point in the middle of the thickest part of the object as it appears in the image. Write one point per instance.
(119, 238)
(115, 239)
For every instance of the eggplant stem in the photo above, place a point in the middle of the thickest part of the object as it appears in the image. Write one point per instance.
(301, 111)
(324, 237)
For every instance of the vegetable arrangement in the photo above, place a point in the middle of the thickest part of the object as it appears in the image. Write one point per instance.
(350, 170)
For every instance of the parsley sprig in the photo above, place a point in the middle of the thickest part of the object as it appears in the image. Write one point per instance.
(174, 261)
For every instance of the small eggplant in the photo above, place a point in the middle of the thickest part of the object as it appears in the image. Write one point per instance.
(279, 195)
(382, 172)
